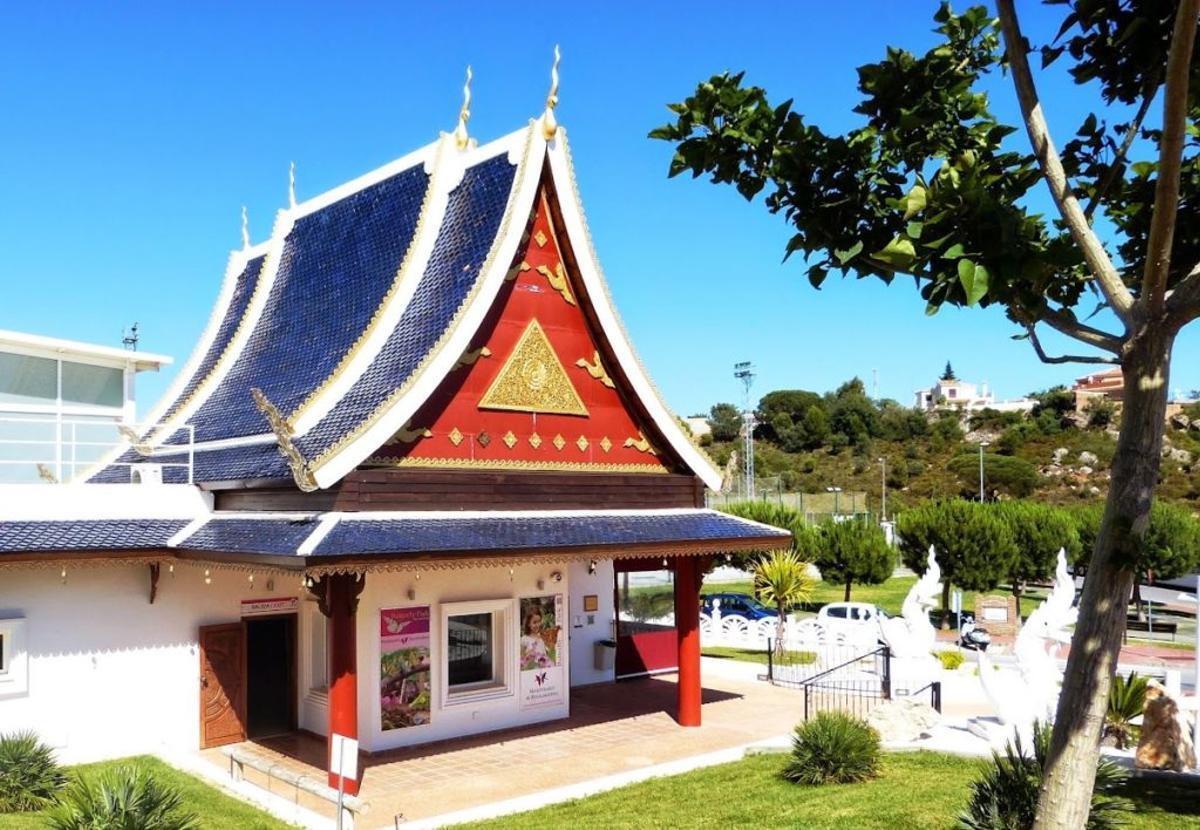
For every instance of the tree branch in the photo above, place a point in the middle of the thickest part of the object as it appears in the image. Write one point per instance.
(1170, 155)
(1135, 126)
(1066, 358)
(1059, 321)
(1115, 291)
(1183, 302)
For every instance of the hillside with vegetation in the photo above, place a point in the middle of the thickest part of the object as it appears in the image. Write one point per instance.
(807, 442)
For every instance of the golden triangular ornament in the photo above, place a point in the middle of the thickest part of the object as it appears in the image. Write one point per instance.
(533, 379)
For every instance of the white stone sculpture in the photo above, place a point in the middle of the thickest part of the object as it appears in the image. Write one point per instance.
(911, 636)
(1029, 691)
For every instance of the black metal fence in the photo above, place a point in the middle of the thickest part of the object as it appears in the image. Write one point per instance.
(856, 684)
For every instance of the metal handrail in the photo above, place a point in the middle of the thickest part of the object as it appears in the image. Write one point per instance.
(65, 448)
(808, 681)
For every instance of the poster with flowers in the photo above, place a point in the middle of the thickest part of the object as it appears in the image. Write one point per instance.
(541, 657)
(404, 687)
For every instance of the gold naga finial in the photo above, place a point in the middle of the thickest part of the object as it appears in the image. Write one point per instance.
(245, 229)
(461, 138)
(549, 124)
(292, 185)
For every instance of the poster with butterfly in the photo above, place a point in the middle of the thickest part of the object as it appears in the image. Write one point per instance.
(543, 681)
(404, 688)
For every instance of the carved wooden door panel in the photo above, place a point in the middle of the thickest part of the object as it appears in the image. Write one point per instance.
(222, 684)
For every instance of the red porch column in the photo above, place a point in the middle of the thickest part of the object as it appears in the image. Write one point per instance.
(338, 598)
(687, 626)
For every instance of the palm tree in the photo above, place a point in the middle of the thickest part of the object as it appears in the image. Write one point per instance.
(781, 579)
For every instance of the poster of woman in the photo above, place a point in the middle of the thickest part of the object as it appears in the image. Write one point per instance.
(404, 683)
(541, 650)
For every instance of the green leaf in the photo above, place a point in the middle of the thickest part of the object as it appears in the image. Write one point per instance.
(954, 251)
(974, 280)
(845, 256)
(898, 253)
(914, 229)
(932, 309)
(915, 201)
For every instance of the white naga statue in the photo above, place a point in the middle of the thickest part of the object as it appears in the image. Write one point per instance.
(911, 636)
(1029, 692)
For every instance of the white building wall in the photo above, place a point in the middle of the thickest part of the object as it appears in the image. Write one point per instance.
(587, 627)
(110, 674)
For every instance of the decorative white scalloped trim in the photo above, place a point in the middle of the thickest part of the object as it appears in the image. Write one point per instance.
(393, 417)
(577, 232)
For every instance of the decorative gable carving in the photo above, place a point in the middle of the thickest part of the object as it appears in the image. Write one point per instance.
(533, 379)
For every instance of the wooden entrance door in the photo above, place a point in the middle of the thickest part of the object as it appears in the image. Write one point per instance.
(222, 684)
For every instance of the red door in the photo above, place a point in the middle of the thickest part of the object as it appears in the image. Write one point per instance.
(645, 600)
(222, 684)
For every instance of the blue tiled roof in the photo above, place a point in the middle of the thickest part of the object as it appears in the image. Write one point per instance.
(467, 233)
(282, 536)
(336, 266)
(486, 533)
(108, 534)
(243, 290)
(230, 464)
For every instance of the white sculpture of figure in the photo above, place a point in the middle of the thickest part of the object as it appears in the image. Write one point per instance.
(1029, 692)
(911, 636)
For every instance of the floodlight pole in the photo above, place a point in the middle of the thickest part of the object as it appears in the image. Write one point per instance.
(745, 373)
(883, 491)
(982, 444)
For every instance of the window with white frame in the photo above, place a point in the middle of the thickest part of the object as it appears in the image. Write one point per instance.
(477, 644)
(13, 658)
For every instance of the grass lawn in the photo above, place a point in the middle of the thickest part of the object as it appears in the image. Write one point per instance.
(916, 791)
(216, 811)
(749, 655)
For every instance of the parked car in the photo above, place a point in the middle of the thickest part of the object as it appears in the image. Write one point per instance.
(742, 605)
(858, 620)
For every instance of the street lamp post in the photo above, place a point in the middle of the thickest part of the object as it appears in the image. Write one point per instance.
(883, 491)
(835, 491)
(982, 444)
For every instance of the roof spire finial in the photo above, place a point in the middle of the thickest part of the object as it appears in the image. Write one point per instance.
(245, 229)
(292, 185)
(549, 124)
(464, 115)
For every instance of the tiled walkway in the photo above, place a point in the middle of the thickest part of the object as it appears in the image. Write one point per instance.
(612, 729)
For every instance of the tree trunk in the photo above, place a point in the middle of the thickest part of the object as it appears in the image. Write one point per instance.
(1139, 610)
(1065, 798)
(946, 605)
(847, 589)
(1016, 592)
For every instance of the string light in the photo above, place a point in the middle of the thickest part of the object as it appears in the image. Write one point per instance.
(64, 576)
(207, 577)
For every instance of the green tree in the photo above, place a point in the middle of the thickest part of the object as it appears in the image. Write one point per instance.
(815, 428)
(725, 421)
(1006, 474)
(852, 413)
(928, 187)
(805, 538)
(948, 372)
(974, 546)
(781, 579)
(854, 551)
(1039, 531)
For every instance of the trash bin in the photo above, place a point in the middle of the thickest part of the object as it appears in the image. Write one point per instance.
(604, 654)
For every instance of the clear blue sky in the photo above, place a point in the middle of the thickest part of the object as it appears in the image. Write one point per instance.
(134, 132)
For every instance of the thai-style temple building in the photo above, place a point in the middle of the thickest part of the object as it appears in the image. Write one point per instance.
(391, 495)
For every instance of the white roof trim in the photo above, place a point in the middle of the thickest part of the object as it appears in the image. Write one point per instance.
(524, 190)
(99, 502)
(191, 528)
(593, 277)
(427, 515)
(318, 535)
(65, 349)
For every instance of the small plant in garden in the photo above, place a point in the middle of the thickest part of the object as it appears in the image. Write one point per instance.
(30, 779)
(950, 660)
(128, 798)
(1126, 700)
(781, 579)
(1006, 795)
(799, 658)
(833, 748)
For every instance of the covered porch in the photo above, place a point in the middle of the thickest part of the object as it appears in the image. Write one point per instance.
(613, 730)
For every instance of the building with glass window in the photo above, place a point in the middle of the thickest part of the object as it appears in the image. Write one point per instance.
(61, 402)
(399, 489)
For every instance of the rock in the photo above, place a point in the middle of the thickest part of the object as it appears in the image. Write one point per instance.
(1180, 421)
(1060, 454)
(1166, 741)
(1086, 471)
(1088, 458)
(1195, 426)
(1176, 454)
(903, 720)
(1095, 491)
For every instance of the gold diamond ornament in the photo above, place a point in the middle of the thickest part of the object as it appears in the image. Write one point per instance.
(456, 437)
(582, 443)
(559, 441)
(509, 439)
(605, 444)
(535, 440)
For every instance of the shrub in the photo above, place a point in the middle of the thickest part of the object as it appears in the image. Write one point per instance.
(30, 779)
(833, 748)
(1005, 796)
(128, 798)
(1005, 473)
(950, 660)
(1126, 700)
